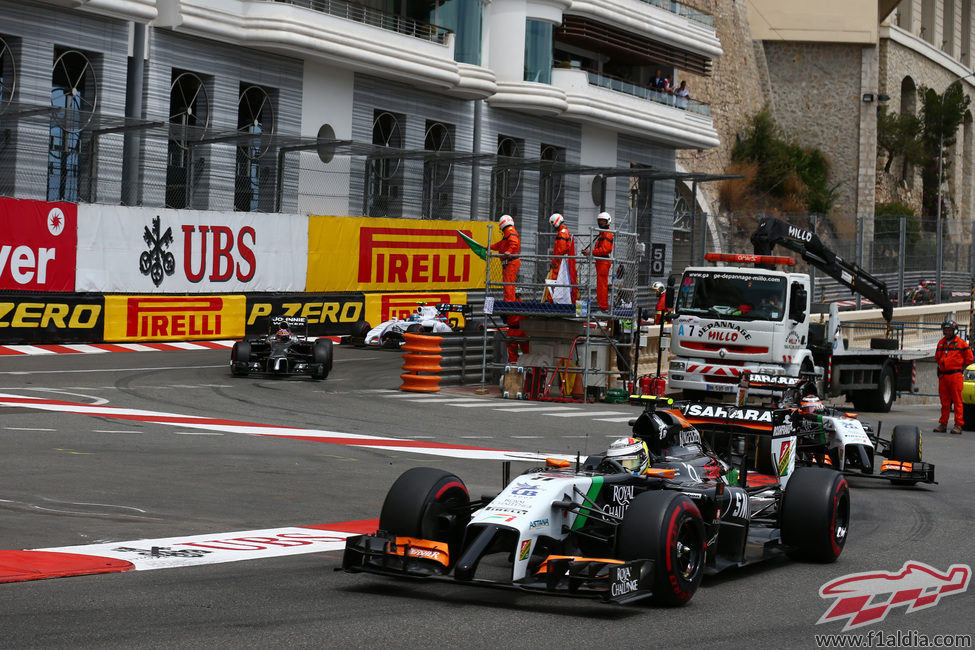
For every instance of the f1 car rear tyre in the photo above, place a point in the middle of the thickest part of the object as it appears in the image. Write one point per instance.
(665, 527)
(815, 514)
(239, 356)
(321, 354)
(905, 443)
(427, 503)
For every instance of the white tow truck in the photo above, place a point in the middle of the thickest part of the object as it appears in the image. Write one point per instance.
(728, 319)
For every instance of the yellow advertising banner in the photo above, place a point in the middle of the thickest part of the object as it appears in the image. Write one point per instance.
(381, 307)
(373, 254)
(174, 318)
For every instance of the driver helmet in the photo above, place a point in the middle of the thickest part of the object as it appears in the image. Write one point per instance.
(283, 335)
(605, 216)
(949, 324)
(556, 220)
(811, 404)
(505, 221)
(658, 287)
(631, 453)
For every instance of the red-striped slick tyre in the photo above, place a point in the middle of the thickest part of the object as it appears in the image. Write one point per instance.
(427, 503)
(665, 527)
(815, 514)
(240, 355)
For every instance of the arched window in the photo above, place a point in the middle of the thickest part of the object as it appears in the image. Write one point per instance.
(437, 176)
(74, 96)
(385, 172)
(253, 188)
(189, 119)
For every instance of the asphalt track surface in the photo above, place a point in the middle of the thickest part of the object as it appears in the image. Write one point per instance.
(73, 479)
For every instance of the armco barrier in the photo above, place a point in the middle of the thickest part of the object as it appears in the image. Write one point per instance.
(421, 363)
(463, 358)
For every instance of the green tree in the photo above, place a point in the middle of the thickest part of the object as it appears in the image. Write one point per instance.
(941, 115)
(787, 172)
(899, 134)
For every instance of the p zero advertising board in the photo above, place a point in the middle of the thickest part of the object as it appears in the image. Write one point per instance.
(141, 250)
(38, 243)
(49, 318)
(372, 254)
(173, 318)
(333, 314)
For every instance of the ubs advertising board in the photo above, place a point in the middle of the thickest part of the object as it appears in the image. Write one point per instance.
(141, 250)
(393, 255)
(38, 243)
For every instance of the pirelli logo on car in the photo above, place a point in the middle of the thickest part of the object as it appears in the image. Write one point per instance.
(163, 318)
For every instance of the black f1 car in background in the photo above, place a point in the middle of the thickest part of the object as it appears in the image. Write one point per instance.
(837, 438)
(596, 529)
(282, 352)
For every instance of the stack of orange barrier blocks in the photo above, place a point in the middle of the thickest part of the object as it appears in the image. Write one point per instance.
(421, 363)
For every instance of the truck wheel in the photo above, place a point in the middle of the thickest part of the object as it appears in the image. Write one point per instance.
(879, 399)
(815, 514)
(239, 356)
(665, 527)
(321, 354)
(878, 343)
(429, 504)
(968, 412)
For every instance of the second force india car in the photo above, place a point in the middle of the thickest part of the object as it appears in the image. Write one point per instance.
(594, 528)
(837, 438)
(282, 352)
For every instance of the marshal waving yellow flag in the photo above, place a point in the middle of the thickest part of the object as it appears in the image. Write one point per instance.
(378, 254)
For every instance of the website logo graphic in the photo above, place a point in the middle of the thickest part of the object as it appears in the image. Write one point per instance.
(867, 598)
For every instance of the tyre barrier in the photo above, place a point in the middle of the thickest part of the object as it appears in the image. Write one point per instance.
(421, 363)
(464, 358)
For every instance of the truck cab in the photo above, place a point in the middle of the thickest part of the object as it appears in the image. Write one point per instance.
(731, 319)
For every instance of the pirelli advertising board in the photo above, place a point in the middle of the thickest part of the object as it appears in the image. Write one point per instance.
(393, 255)
(174, 318)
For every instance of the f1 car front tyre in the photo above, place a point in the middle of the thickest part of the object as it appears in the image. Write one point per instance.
(240, 355)
(905, 445)
(321, 354)
(429, 504)
(665, 527)
(815, 514)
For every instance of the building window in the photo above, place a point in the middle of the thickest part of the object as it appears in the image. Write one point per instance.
(464, 18)
(506, 179)
(189, 118)
(8, 75)
(254, 182)
(538, 51)
(384, 172)
(551, 198)
(74, 95)
(437, 172)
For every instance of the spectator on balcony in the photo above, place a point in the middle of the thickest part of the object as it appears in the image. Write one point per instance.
(682, 94)
(659, 81)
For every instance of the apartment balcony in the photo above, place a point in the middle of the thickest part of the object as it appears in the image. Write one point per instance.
(338, 32)
(611, 103)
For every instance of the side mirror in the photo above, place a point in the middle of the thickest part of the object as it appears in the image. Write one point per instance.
(798, 302)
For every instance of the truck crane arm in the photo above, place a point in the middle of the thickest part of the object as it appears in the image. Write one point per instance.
(772, 231)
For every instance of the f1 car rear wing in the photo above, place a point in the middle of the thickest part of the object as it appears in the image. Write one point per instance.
(772, 231)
